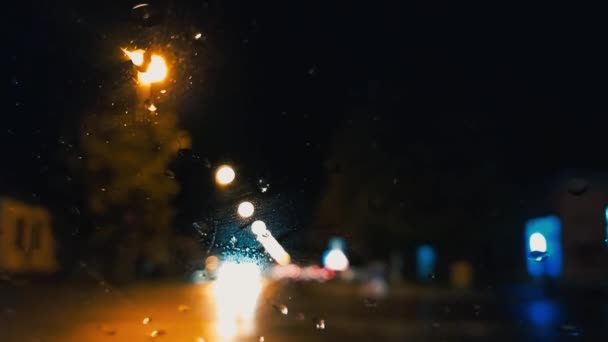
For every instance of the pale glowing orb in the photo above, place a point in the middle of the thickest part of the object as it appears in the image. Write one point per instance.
(258, 227)
(224, 175)
(246, 209)
(336, 260)
(538, 243)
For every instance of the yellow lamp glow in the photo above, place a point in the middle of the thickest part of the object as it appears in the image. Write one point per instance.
(224, 175)
(136, 56)
(156, 72)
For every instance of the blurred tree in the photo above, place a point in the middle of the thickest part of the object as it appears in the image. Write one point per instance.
(389, 188)
(131, 187)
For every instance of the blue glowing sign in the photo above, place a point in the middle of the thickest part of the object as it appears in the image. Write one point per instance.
(543, 247)
(425, 259)
(606, 235)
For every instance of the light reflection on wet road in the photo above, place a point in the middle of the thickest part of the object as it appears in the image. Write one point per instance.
(285, 312)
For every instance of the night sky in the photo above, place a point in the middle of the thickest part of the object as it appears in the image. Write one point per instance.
(520, 87)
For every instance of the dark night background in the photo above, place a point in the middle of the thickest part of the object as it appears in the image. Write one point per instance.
(515, 93)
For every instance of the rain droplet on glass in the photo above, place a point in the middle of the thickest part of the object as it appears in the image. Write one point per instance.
(157, 333)
(146, 320)
(106, 330)
(538, 256)
(320, 324)
(282, 308)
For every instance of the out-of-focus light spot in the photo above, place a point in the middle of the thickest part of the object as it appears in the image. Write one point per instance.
(538, 243)
(236, 293)
(258, 227)
(224, 175)
(335, 260)
(146, 320)
(543, 247)
(198, 35)
(425, 259)
(212, 263)
(337, 243)
(270, 244)
(163, 91)
(136, 56)
(245, 209)
(152, 108)
(156, 72)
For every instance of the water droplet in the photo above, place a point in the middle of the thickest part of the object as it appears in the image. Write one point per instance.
(106, 329)
(157, 333)
(538, 256)
(370, 303)
(577, 186)
(169, 174)
(198, 35)
(146, 320)
(200, 339)
(233, 240)
(9, 311)
(183, 308)
(282, 308)
(320, 324)
(476, 309)
(139, 5)
(570, 330)
(262, 339)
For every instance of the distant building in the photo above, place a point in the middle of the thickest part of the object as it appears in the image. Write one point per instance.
(26, 240)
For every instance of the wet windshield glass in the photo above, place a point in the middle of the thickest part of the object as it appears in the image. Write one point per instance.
(222, 170)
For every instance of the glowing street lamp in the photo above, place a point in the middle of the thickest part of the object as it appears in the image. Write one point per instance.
(151, 68)
(224, 175)
(245, 209)
(156, 71)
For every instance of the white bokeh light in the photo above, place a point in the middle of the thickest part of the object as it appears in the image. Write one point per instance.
(245, 209)
(336, 260)
(224, 175)
(538, 243)
(258, 227)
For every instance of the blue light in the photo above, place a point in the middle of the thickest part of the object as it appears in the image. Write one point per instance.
(544, 235)
(606, 234)
(425, 259)
(542, 312)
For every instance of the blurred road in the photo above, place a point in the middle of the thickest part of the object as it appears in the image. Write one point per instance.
(285, 312)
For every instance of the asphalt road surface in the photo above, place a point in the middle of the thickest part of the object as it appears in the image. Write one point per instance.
(279, 311)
